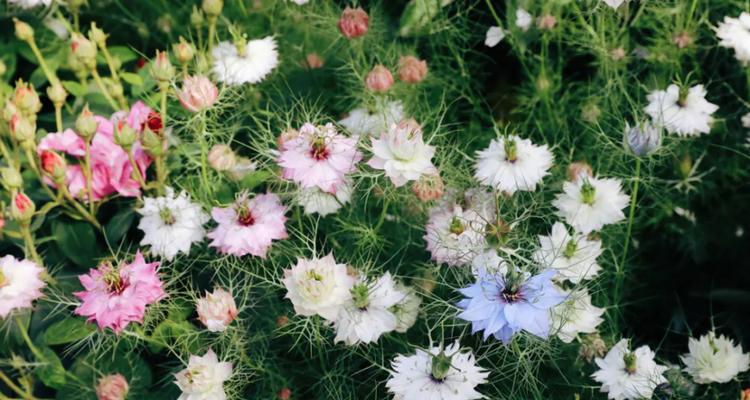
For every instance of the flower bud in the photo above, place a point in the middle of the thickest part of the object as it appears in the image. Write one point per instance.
(281, 321)
(24, 31)
(592, 346)
(221, 158)
(682, 40)
(97, 35)
(152, 143)
(22, 129)
(154, 122)
(546, 22)
(114, 88)
(125, 135)
(75, 5)
(212, 8)
(53, 165)
(578, 170)
(22, 209)
(198, 93)
(354, 22)
(86, 124)
(56, 92)
(642, 139)
(217, 310)
(241, 169)
(591, 113)
(284, 394)
(161, 68)
(26, 99)
(428, 187)
(312, 61)
(112, 387)
(411, 69)
(379, 79)
(685, 166)
(84, 50)
(184, 51)
(745, 394)
(196, 18)
(11, 178)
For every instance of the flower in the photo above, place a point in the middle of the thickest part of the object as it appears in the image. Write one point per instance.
(546, 22)
(576, 315)
(249, 226)
(361, 122)
(26, 4)
(114, 296)
(454, 235)
(735, 33)
(318, 286)
(217, 310)
(642, 139)
(428, 187)
(353, 22)
(221, 157)
(523, 19)
(319, 157)
(579, 170)
(572, 256)
(714, 359)
(627, 375)
(249, 62)
(407, 310)
(316, 201)
(590, 203)
(402, 153)
(494, 35)
(437, 373)
(411, 69)
(112, 387)
(488, 262)
(503, 305)
(313, 61)
(379, 79)
(20, 284)
(198, 93)
(171, 224)
(204, 378)
(511, 164)
(366, 315)
(615, 4)
(680, 110)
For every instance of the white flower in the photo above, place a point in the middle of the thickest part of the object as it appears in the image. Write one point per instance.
(407, 310)
(589, 204)
(714, 359)
(402, 153)
(252, 65)
(454, 235)
(482, 202)
(314, 200)
(300, 2)
(615, 4)
(414, 377)
(627, 375)
(361, 122)
(217, 310)
(523, 19)
(510, 164)
(20, 284)
(494, 35)
(746, 120)
(204, 377)
(318, 286)
(488, 262)
(26, 4)
(576, 315)
(735, 33)
(572, 256)
(367, 313)
(57, 26)
(686, 112)
(171, 224)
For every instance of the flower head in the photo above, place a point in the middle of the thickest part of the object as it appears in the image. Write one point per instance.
(361, 122)
(27, 4)
(318, 286)
(572, 256)
(407, 310)
(353, 22)
(629, 375)
(735, 34)
(715, 359)
(247, 62)
(411, 69)
(642, 139)
(216, 310)
(493, 36)
(685, 112)
(198, 93)
(576, 315)
(428, 187)
(204, 378)
(523, 19)
(112, 387)
(20, 284)
(615, 4)
(590, 203)
(379, 79)
(402, 153)
(316, 201)
(455, 235)
(511, 164)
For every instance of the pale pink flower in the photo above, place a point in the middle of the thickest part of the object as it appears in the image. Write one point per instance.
(112, 387)
(20, 284)
(198, 93)
(217, 310)
(249, 226)
(114, 296)
(319, 157)
(353, 22)
(379, 79)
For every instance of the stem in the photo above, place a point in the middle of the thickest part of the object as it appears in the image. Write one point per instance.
(27, 339)
(136, 170)
(28, 241)
(52, 78)
(103, 88)
(631, 217)
(160, 170)
(382, 213)
(87, 176)
(9, 382)
(110, 63)
(84, 213)
(58, 117)
(211, 33)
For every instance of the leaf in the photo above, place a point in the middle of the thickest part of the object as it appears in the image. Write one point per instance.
(67, 331)
(166, 332)
(123, 53)
(90, 367)
(131, 78)
(417, 16)
(52, 372)
(74, 88)
(119, 225)
(254, 179)
(77, 241)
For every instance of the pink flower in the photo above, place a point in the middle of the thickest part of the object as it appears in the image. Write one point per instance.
(353, 22)
(411, 69)
(112, 387)
(319, 157)
(217, 310)
(249, 226)
(379, 79)
(115, 296)
(20, 284)
(198, 93)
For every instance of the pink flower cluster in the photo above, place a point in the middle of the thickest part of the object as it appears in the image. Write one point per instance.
(114, 296)
(111, 169)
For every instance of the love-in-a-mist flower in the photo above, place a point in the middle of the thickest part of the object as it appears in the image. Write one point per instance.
(315, 201)
(576, 315)
(642, 139)
(171, 223)
(318, 286)
(249, 226)
(502, 305)
(367, 315)
(615, 4)
(244, 61)
(112, 387)
(746, 120)
(572, 256)
(361, 121)
(27, 4)
(683, 111)
(714, 359)
(198, 93)
(523, 19)
(353, 22)
(204, 378)
(402, 153)
(735, 34)
(437, 373)
(216, 310)
(488, 262)
(454, 234)
(513, 164)
(590, 203)
(493, 36)
(319, 157)
(116, 295)
(407, 310)
(629, 375)
(20, 284)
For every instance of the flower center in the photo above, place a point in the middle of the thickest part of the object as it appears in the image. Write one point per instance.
(441, 365)
(361, 296)
(115, 283)
(314, 276)
(456, 227)
(629, 360)
(682, 100)
(511, 150)
(588, 193)
(319, 151)
(245, 216)
(167, 216)
(570, 249)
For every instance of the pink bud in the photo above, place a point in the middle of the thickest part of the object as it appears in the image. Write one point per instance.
(578, 170)
(217, 310)
(198, 93)
(411, 69)
(428, 187)
(379, 79)
(112, 387)
(53, 164)
(314, 61)
(353, 22)
(22, 208)
(547, 22)
(284, 394)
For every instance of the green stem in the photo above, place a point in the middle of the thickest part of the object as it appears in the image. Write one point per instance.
(58, 117)
(136, 170)
(52, 78)
(103, 88)
(382, 213)
(27, 339)
(10, 384)
(28, 241)
(81, 210)
(631, 217)
(211, 33)
(87, 176)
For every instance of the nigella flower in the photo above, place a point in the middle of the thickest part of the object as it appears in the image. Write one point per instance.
(572, 256)
(407, 310)
(714, 359)
(493, 36)
(735, 33)
(503, 305)
(315, 201)
(643, 138)
(455, 235)
(589, 203)
(204, 378)
(437, 373)
(20, 284)
(319, 157)
(245, 62)
(27, 4)
(402, 153)
(576, 315)
(511, 164)
(684, 111)
(249, 226)
(629, 375)
(523, 19)
(318, 286)
(114, 296)
(361, 122)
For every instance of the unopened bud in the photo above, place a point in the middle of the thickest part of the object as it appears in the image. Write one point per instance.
(86, 124)
(685, 166)
(196, 18)
(56, 92)
(184, 51)
(152, 143)
(84, 50)
(97, 35)
(428, 187)
(642, 139)
(26, 99)
(379, 79)
(212, 8)
(221, 158)
(12, 179)
(242, 168)
(161, 68)
(53, 165)
(22, 208)
(75, 5)
(22, 129)
(24, 31)
(125, 135)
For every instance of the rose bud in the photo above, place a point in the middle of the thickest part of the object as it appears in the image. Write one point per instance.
(198, 93)
(312, 61)
(125, 136)
(217, 310)
(161, 68)
(221, 158)
(411, 69)
(56, 93)
(84, 50)
(53, 165)
(578, 170)
(26, 99)
(152, 143)
(353, 22)
(428, 187)
(153, 122)
(212, 8)
(22, 129)
(97, 35)
(22, 208)
(284, 394)
(24, 31)
(112, 387)
(11, 178)
(86, 124)
(379, 79)
(183, 51)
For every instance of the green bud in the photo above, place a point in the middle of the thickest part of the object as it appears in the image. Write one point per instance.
(161, 68)
(11, 178)
(152, 143)
(588, 193)
(184, 51)
(456, 227)
(22, 129)
(125, 136)
(97, 35)
(441, 365)
(84, 50)
(86, 124)
(196, 18)
(212, 8)
(24, 31)
(361, 295)
(56, 92)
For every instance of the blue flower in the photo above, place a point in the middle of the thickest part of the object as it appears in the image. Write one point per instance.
(503, 305)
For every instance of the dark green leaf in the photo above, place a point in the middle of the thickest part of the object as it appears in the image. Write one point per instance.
(124, 54)
(167, 332)
(119, 225)
(51, 372)
(77, 241)
(67, 331)
(131, 78)
(74, 88)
